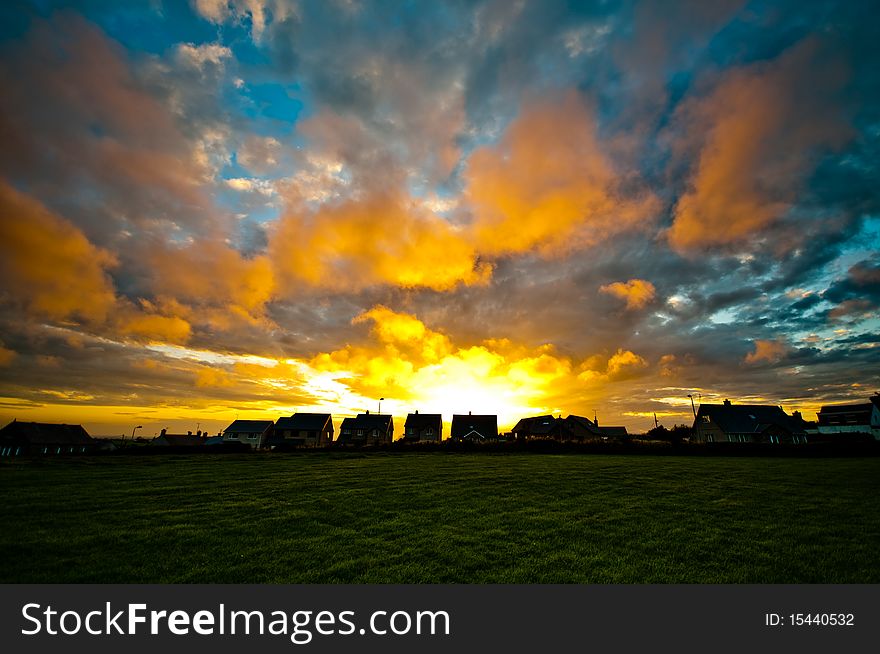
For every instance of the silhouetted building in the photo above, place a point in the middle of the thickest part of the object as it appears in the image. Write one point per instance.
(572, 428)
(255, 433)
(746, 423)
(42, 438)
(861, 418)
(303, 429)
(423, 428)
(474, 428)
(367, 429)
(582, 428)
(164, 439)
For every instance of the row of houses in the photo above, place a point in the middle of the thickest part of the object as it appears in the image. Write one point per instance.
(759, 423)
(316, 430)
(713, 423)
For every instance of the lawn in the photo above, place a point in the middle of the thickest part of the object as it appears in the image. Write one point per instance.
(439, 517)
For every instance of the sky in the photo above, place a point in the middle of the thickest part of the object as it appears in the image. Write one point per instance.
(217, 209)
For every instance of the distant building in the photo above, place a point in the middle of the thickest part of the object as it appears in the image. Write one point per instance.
(42, 438)
(474, 428)
(746, 423)
(367, 429)
(164, 439)
(255, 433)
(303, 429)
(861, 418)
(423, 428)
(572, 428)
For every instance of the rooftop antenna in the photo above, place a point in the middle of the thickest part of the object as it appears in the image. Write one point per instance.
(656, 424)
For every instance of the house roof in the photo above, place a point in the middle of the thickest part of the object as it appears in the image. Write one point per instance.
(249, 426)
(44, 433)
(369, 421)
(305, 422)
(847, 408)
(537, 425)
(613, 431)
(423, 420)
(748, 418)
(464, 425)
(585, 423)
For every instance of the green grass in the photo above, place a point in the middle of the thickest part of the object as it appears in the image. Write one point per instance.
(460, 518)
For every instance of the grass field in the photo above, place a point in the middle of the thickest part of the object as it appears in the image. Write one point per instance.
(409, 518)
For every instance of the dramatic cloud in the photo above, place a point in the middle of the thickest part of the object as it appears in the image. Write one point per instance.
(382, 239)
(767, 351)
(760, 133)
(48, 266)
(254, 207)
(549, 184)
(637, 293)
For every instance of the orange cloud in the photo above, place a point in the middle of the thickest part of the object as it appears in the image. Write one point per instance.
(6, 356)
(620, 366)
(207, 377)
(153, 327)
(48, 265)
(637, 293)
(548, 185)
(382, 239)
(770, 351)
(208, 281)
(761, 130)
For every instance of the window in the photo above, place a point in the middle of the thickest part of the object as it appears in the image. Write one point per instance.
(430, 431)
(360, 432)
(710, 438)
(705, 418)
(410, 431)
(252, 437)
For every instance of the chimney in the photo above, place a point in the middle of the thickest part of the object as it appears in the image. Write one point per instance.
(368, 412)
(189, 432)
(726, 402)
(470, 413)
(162, 433)
(417, 412)
(199, 433)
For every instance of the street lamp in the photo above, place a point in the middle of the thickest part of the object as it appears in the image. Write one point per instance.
(132, 433)
(380, 405)
(693, 408)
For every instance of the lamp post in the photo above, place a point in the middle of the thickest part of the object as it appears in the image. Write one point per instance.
(380, 405)
(693, 408)
(132, 434)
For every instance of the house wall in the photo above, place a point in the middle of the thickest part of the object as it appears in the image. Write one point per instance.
(708, 432)
(245, 437)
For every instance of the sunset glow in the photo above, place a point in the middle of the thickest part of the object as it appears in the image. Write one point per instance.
(212, 210)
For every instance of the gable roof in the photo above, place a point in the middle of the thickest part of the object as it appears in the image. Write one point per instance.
(537, 425)
(747, 418)
(846, 408)
(464, 425)
(585, 424)
(369, 421)
(45, 433)
(614, 431)
(305, 422)
(423, 421)
(249, 426)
